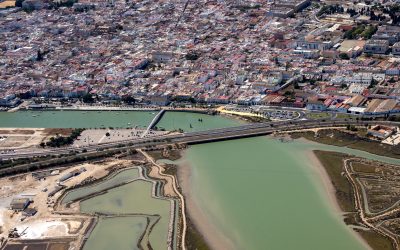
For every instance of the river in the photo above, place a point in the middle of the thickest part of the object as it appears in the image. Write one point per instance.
(265, 194)
(259, 192)
(96, 119)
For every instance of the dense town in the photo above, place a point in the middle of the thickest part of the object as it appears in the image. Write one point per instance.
(318, 55)
(194, 124)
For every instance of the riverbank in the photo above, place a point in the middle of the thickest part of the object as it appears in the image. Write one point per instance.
(216, 239)
(341, 196)
(253, 183)
(343, 138)
(213, 238)
(330, 191)
(201, 233)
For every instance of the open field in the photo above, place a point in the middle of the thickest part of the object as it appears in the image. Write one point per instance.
(314, 115)
(26, 138)
(7, 3)
(97, 136)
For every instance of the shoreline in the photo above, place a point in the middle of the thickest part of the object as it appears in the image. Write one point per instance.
(217, 240)
(210, 233)
(330, 193)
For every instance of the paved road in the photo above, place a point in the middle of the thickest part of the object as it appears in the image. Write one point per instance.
(199, 137)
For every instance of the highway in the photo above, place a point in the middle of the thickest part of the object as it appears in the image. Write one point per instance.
(248, 130)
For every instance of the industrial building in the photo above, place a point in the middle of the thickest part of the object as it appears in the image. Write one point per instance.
(286, 8)
(19, 204)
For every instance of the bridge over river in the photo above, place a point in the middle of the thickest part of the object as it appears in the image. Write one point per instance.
(212, 135)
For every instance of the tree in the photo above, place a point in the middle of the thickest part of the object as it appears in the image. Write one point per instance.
(392, 80)
(128, 100)
(344, 56)
(18, 3)
(192, 56)
(39, 55)
(88, 98)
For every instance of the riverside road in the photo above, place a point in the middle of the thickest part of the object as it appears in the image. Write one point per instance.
(249, 130)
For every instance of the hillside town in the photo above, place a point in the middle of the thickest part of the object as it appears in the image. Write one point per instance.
(318, 55)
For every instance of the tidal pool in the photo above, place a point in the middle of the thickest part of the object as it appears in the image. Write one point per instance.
(127, 206)
(116, 179)
(121, 232)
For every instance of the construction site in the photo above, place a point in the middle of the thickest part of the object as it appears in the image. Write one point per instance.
(37, 212)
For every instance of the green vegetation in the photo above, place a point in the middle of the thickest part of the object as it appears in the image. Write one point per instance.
(18, 3)
(88, 98)
(343, 116)
(64, 140)
(129, 100)
(360, 31)
(351, 128)
(375, 240)
(192, 56)
(344, 56)
(394, 118)
(67, 3)
(194, 239)
(368, 32)
(363, 168)
(353, 140)
(317, 116)
(170, 169)
(173, 155)
(330, 9)
(333, 164)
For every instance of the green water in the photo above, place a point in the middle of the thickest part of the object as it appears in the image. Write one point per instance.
(121, 232)
(95, 119)
(131, 198)
(118, 178)
(134, 202)
(261, 193)
(75, 119)
(183, 120)
(264, 194)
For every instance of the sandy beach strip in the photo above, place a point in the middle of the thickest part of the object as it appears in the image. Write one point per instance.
(330, 193)
(212, 235)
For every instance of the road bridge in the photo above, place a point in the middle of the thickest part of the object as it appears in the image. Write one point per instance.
(248, 130)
